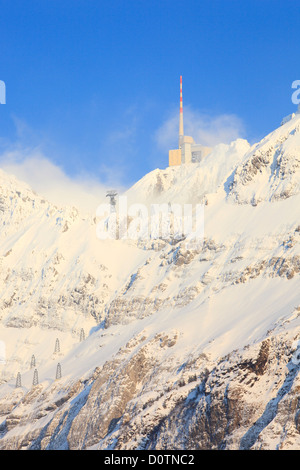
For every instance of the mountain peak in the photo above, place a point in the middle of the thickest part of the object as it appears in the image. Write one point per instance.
(271, 170)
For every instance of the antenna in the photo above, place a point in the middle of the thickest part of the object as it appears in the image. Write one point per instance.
(112, 196)
(181, 134)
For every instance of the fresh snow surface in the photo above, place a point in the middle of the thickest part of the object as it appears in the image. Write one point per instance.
(251, 215)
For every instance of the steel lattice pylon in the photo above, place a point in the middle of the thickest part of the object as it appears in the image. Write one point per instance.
(82, 335)
(33, 362)
(57, 346)
(35, 377)
(58, 371)
(18, 381)
(112, 196)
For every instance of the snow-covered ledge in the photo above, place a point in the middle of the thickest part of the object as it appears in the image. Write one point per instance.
(290, 116)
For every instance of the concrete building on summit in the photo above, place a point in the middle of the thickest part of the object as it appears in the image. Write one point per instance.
(188, 151)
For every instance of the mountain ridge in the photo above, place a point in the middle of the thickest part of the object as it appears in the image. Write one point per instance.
(179, 339)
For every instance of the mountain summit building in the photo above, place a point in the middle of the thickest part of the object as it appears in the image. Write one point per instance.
(188, 151)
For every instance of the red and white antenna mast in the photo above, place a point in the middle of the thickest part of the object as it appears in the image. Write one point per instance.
(181, 134)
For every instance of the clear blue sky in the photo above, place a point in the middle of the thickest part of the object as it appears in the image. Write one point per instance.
(92, 81)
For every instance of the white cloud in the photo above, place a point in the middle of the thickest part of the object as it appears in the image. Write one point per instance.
(206, 130)
(50, 181)
(30, 164)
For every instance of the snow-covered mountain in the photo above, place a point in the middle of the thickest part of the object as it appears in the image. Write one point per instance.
(185, 347)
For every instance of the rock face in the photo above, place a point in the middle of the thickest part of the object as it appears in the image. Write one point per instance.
(185, 346)
(248, 400)
(270, 171)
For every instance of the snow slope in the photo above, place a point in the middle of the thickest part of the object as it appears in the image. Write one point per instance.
(270, 170)
(170, 185)
(178, 339)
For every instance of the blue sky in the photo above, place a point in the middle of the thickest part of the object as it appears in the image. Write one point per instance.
(94, 84)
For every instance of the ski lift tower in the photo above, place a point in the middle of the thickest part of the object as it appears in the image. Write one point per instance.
(112, 196)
